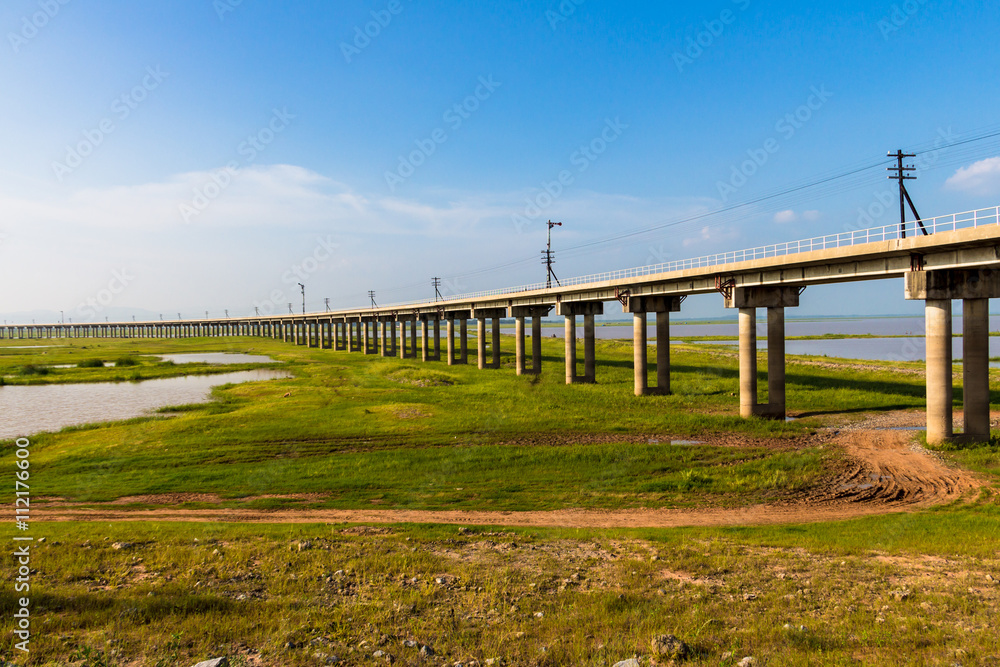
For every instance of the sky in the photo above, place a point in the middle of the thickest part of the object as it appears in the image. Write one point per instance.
(210, 155)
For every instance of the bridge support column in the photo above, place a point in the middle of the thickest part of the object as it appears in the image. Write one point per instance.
(463, 340)
(495, 343)
(662, 305)
(536, 313)
(519, 345)
(425, 333)
(481, 342)
(384, 351)
(437, 338)
(775, 299)
(937, 289)
(975, 369)
(481, 315)
(413, 338)
(570, 310)
(450, 348)
(367, 336)
(394, 349)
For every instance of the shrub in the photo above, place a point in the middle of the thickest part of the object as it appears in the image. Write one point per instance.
(32, 369)
(126, 361)
(91, 363)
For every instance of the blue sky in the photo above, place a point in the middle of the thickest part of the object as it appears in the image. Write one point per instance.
(207, 156)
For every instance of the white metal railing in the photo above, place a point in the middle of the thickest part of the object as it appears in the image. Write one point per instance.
(943, 223)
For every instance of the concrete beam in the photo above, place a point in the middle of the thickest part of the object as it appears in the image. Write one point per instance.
(653, 304)
(764, 297)
(574, 308)
(953, 284)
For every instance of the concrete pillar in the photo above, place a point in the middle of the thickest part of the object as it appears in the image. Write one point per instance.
(385, 350)
(776, 362)
(536, 344)
(392, 339)
(413, 338)
(519, 345)
(366, 337)
(663, 353)
(463, 341)
(481, 341)
(437, 338)
(939, 384)
(402, 340)
(748, 361)
(425, 335)
(639, 353)
(589, 355)
(570, 334)
(450, 332)
(975, 369)
(495, 346)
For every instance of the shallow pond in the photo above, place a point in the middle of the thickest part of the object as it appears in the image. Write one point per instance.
(32, 409)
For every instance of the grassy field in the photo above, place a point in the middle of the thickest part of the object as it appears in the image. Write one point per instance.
(403, 433)
(356, 432)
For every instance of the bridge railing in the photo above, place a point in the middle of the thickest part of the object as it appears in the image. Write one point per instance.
(943, 223)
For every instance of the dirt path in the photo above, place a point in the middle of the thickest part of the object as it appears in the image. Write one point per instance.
(884, 472)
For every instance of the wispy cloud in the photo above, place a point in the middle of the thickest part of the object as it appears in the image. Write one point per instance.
(789, 216)
(979, 178)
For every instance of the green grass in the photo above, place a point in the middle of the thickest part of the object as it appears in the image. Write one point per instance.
(365, 430)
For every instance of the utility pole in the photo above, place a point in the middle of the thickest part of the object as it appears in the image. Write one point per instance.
(436, 282)
(62, 317)
(904, 196)
(256, 310)
(371, 295)
(180, 318)
(303, 288)
(290, 312)
(227, 313)
(326, 302)
(547, 257)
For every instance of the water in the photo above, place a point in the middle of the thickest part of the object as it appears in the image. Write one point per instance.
(878, 349)
(32, 409)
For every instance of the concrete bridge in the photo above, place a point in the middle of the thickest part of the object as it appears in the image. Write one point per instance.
(941, 259)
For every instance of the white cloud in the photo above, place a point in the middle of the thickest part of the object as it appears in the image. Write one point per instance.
(979, 178)
(788, 216)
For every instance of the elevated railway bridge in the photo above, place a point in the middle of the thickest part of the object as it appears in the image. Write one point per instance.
(940, 259)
